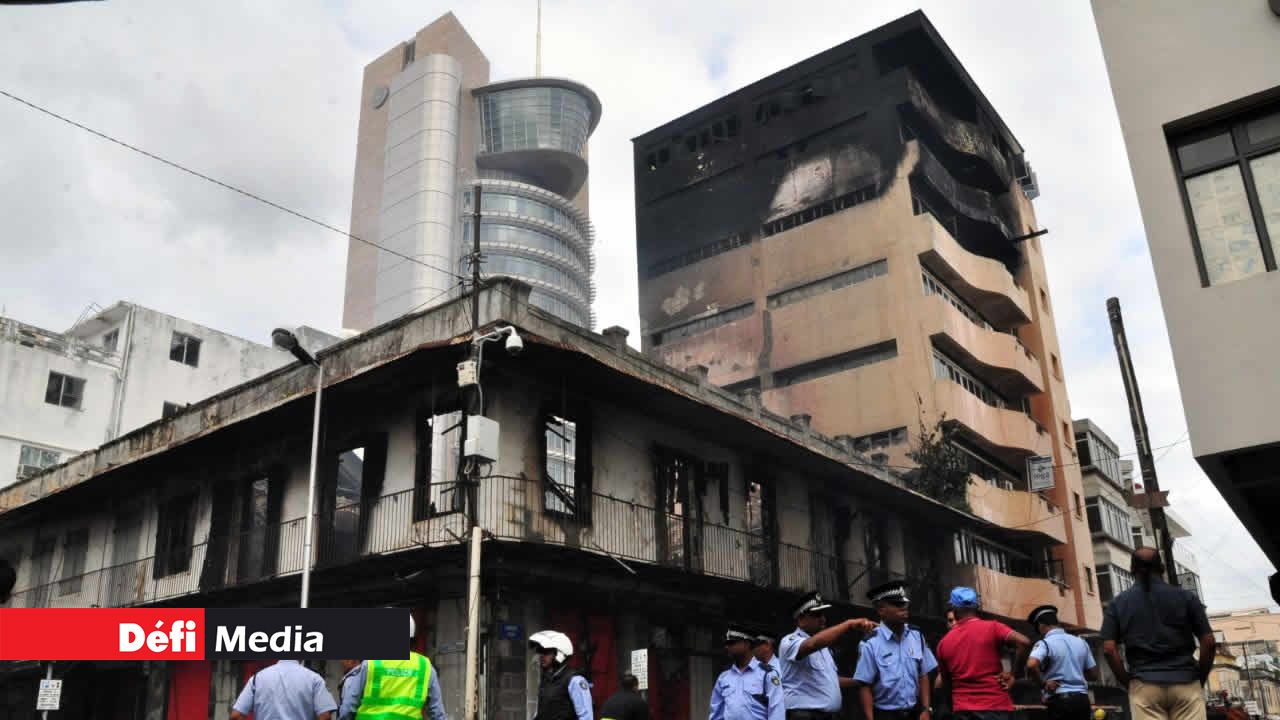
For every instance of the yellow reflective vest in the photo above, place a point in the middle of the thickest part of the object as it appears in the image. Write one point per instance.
(395, 689)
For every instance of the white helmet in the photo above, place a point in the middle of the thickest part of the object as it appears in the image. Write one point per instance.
(413, 629)
(552, 640)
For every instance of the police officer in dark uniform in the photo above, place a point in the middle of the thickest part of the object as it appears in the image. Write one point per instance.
(894, 662)
(563, 694)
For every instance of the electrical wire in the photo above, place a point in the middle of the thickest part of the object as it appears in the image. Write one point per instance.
(220, 183)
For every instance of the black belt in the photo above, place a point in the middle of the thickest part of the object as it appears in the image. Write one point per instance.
(910, 713)
(810, 715)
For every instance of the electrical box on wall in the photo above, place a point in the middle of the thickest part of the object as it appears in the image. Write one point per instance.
(467, 373)
(482, 439)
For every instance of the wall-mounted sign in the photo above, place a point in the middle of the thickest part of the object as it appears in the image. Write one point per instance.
(1040, 473)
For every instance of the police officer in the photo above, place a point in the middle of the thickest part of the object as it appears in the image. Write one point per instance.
(746, 691)
(763, 646)
(284, 691)
(894, 662)
(810, 685)
(1062, 663)
(393, 689)
(563, 694)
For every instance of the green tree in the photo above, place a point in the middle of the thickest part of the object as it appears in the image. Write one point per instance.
(942, 469)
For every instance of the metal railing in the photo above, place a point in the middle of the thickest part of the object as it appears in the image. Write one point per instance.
(511, 509)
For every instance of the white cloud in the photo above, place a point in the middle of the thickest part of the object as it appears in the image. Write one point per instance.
(265, 95)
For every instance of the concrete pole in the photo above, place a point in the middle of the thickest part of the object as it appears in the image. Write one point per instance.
(471, 698)
(48, 675)
(311, 492)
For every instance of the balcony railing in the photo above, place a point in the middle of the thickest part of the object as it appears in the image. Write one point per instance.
(511, 509)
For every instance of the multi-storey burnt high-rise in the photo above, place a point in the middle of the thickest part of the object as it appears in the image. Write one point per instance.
(852, 238)
(432, 125)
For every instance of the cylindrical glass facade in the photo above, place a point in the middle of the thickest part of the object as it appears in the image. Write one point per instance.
(528, 118)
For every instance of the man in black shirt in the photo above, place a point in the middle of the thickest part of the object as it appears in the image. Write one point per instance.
(626, 704)
(1158, 624)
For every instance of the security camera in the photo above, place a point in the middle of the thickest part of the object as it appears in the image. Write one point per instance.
(514, 344)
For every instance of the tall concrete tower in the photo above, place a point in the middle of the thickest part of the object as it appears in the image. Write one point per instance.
(431, 127)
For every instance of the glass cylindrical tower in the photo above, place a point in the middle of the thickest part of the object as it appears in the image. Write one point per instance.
(532, 162)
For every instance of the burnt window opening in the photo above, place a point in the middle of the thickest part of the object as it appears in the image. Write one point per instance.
(821, 210)
(353, 483)
(702, 252)
(702, 324)
(437, 483)
(731, 126)
(41, 571)
(559, 455)
(658, 158)
(64, 390)
(259, 532)
(842, 362)
(719, 472)
(743, 386)
(761, 514)
(831, 283)
(875, 542)
(185, 349)
(175, 533)
(170, 410)
(678, 486)
(75, 548)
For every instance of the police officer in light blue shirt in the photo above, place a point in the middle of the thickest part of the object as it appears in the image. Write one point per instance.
(894, 662)
(746, 691)
(810, 684)
(1064, 664)
(284, 691)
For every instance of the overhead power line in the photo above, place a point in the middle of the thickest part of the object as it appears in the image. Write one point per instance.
(220, 183)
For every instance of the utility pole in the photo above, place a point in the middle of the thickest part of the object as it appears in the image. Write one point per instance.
(471, 690)
(1155, 501)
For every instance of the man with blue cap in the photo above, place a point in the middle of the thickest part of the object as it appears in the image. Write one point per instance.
(894, 662)
(809, 679)
(746, 691)
(971, 659)
(1063, 664)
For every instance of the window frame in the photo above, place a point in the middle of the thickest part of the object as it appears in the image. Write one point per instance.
(187, 341)
(75, 555)
(174, 558)
(62, 390)
(1243, 152)
(170, 410)
(111, 340)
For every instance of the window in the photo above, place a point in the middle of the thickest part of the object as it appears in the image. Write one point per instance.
(703, 324)
(1044, 300)
(880, 440)
(702, 252)
(175, 530)
(185, 349)
(1100, 457)
(853, 359)
(1230, 175)
(1057, 367)
(32, 460)
(41, 569)
(1066, 434)
(1075, 496)
(259, 535)
(436, 488)
(1137, 536)
(1113, 580)
(1088, 579)
(110, 341)
(75, 546)
(934, 286)
(809, 214)
(560, 455)
(944, 368)
(828, 284)
(64, 390)
(1110, 519)
(170, 410)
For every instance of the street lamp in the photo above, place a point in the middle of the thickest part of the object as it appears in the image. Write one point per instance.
(286, 340)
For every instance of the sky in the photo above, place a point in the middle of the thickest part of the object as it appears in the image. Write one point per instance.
(266, 96)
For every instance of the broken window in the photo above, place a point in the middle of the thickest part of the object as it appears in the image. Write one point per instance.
(259, 527)
(64, 390)
(175, 531)
(760, 512)
(75, 546)
(185, 349)
(32, 460)
(170, 410)
(353, 484)
(560, 455)
(41, 567)
(678, 485)
(436, 488)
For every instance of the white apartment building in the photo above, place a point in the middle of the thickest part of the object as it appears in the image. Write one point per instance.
(62, 393)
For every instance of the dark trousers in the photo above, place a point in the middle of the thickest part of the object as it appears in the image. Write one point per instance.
(811, 715)
(908, 714)
(1069, 706)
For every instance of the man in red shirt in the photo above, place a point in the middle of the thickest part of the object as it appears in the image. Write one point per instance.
(969, 657)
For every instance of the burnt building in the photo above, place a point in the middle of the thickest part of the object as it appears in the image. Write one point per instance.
(852, 239)
(631, 505)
